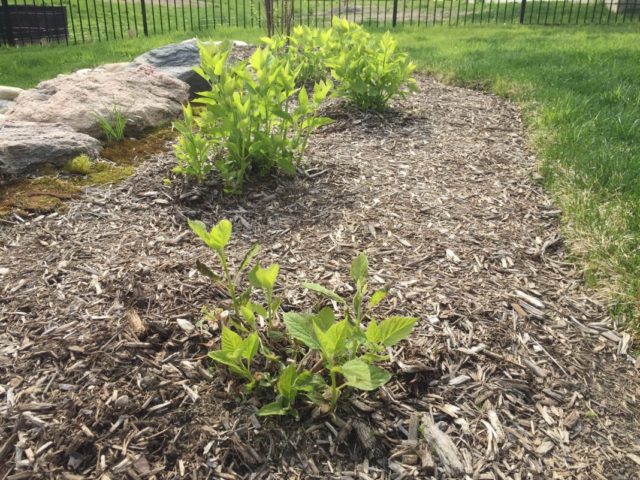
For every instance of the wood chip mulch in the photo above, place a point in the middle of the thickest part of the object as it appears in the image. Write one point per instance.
(512, 373)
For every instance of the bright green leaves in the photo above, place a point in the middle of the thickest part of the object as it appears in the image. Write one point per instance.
(192, 149)
(246, 123)
(345, 351)
(359, 374)
(289, 385)
(390, 331)
(264, 278)
(368, 74)
(217, 238)
(360, 268)
(300, 327)
(236, 353)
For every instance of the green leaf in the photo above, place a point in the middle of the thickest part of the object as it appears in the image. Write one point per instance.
(206, 271)
(394, 329)
(217, 238)
(377, 297)
(300, 327)
(250, 255)
(303, 99)
(232, 363)
(259, 309)
(286, 384)
(264, 278)
(249, 346)
(359, 374)
(324, 319)
(247, 314)
(314, 287)
(332, 342)
(373, 333)
(360, 268)
(230, 341)
(220, 235)
(273, 408)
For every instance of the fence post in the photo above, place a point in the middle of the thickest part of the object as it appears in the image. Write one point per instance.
(145, 27)
(523, 7)
(394, 18)
(7, 24)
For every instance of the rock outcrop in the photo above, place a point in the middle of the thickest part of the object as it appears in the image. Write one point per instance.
(145, 96)
(179, 59)
(26, 145)
(9, 93)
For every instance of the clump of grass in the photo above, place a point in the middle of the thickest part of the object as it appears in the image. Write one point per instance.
(112, 125)
(80, 165)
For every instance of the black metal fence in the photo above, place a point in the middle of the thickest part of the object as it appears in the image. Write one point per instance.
(76, 21)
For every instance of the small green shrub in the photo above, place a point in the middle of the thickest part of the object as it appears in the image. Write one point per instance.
(80, 165)
(112, 125)
(273, 359)
(191, 150)
(368, 74)
(254, 121)
(307, 49)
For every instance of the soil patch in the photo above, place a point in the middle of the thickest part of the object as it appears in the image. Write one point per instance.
(513, 371)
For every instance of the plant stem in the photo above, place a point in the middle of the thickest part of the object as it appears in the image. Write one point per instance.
(334, 389)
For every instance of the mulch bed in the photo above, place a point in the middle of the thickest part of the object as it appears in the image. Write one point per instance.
(512, 373)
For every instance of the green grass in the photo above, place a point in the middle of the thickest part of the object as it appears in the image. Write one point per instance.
(580, 94)
(26, 66)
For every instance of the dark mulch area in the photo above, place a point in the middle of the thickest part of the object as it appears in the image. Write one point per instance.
(521, 373)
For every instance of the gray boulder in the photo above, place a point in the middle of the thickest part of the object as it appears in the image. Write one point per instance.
(145, 96)
(25, 145)
(179, 60)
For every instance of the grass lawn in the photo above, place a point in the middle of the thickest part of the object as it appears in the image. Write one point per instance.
(580, 91)
(26, 66)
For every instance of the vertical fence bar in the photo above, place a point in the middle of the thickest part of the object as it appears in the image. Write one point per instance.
(104, 21)
(95, 11)
(126, 12)
(167, 8)
(73, 27)
(135, 16)
(394, 17)
(145, 26)
(119, 18)
(153, 17)
(175, 15)
(523, 7)
(8, 28)
(86, 6)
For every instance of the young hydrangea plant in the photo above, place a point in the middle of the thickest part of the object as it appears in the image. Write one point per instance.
(349, 346)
